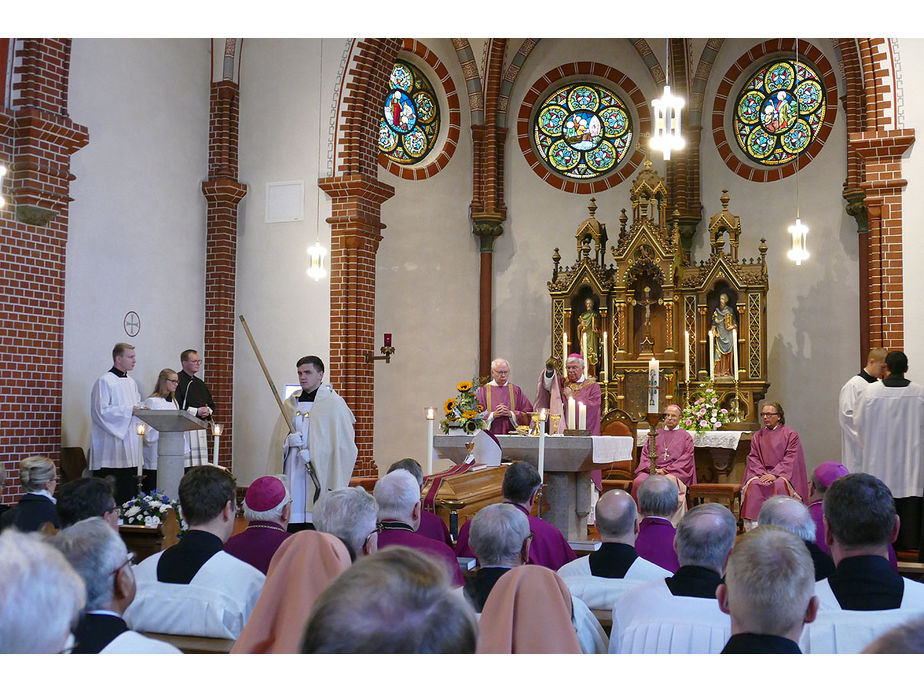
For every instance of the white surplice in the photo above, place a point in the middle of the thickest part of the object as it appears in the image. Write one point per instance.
(851, 456)
(114, 440)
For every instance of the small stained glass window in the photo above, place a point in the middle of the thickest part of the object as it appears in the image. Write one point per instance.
(582, 131)
(411, 121)
(779, 112)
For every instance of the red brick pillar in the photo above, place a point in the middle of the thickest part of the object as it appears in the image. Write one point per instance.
(881, 152)
(222, 192)
(37, 139)
(355, 234)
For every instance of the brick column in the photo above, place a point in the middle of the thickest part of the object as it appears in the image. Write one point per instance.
(355, 235)
(223, 193)
(37, 139)
(881, 152)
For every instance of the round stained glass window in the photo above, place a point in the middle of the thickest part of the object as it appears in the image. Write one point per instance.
(582, 131)
(779, 112)
(411, 113)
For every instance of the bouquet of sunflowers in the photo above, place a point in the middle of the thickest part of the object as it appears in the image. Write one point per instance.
(704, 413)
(463, 410)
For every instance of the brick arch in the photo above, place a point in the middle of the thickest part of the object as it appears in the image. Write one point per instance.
(417, 171)
(583, 70)
(723, 99)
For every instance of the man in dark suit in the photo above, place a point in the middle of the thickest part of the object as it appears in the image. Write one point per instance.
(788, 513)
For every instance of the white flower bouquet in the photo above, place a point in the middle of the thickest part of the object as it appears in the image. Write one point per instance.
(150, 510)
(704, 413)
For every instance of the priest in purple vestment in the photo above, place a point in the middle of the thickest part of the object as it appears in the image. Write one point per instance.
(776, 463)
(398, 497)
(674, 448)
(657, 502)
(553, 394)
(267, 508)
(506, 405)
(548, 547)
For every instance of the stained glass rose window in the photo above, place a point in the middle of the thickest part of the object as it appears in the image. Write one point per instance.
(582, 131)
(411, 119)
(779, 112)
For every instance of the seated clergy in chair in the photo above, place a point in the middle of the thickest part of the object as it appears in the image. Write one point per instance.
(602, 576)
(674, 447)
(267, 509)
(680, 614)
(768, 592)
(657, 502)
(520, 488)
(194, 587)
(776, 464)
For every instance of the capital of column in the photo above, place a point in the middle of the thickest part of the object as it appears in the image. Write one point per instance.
(220, 190)
(487, 226)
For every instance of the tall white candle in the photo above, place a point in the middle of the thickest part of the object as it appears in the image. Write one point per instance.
(735, 349)
(216, 435)
(711, 356)
(584, 354)
(686, 353)
(140, 430)
(571, 416)
(542, 413)
(653, 386)
(606, 357)
(564, 348)
(429, 457)
(582, 416)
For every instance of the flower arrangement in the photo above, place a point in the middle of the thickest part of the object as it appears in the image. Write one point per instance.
(704, 413)
(149, 510)
(463, 410)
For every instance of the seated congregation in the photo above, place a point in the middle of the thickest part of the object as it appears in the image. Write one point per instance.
(373, 577)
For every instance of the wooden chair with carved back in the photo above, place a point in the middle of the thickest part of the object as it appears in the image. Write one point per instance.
(619, 474)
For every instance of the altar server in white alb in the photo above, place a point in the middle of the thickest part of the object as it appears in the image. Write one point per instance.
(114, 440)
(847, 402)
(323, 437)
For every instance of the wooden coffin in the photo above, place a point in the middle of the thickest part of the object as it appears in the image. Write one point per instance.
(467, 493)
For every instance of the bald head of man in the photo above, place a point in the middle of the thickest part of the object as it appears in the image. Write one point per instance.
(616, 517)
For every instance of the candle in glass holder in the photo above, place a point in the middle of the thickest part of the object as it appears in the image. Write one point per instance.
(216, 435)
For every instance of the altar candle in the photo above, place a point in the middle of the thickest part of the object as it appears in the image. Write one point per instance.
(686, 353)
(216, 434)
(735, 349)
(582, 416)
(606, 357)
(140, 429)
(711, 357)
(564, 347)
(429, 457)
(584, 353)
(542, 413)
(653, 386)
(571, 417)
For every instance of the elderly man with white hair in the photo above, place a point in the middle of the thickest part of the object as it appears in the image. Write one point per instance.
(99, 556)
(769, 592)
(267, 509)
(673, 457)
(351, 515)
(506, 405)
(788, 513)
(41, 596)
(553, 393)
(398, 497)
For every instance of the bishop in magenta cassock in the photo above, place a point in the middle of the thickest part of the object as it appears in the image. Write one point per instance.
(553, 393)
(776, 464)
(674, 447)
(506, 405)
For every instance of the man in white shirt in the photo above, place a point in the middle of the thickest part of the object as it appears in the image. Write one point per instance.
(847, 401)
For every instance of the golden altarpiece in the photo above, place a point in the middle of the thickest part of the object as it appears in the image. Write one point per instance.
(653, 301)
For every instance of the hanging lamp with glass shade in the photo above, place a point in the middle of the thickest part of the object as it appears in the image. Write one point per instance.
(798, 252)
(667, 131)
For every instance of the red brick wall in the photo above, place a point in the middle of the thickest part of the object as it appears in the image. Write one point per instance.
(37, 140)
(222, 192)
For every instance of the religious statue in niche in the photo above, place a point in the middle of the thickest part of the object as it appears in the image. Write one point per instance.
(723, 323)
(589, 334)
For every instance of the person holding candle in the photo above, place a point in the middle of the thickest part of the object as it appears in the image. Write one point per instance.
(193, 395)
(323, 437)
(775, 466)
(163, 397)
(114, 447)
(674, 458)
(505, 402)
(724, 324)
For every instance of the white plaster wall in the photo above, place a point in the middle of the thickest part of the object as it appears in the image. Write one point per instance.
(287, 312)
(427, 270)
(137, 222)
(813, 315)
(911, 61)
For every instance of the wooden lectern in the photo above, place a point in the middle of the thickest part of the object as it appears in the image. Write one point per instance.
(171, 444)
